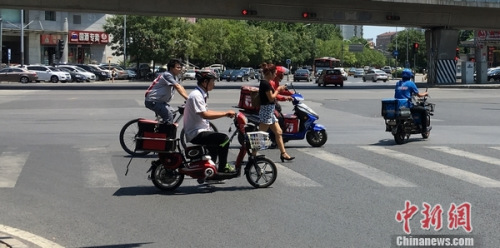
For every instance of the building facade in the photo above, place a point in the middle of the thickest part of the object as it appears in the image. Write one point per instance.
(32, 37)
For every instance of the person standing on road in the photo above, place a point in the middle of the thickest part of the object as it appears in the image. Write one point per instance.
(162, 90)
(406, 89)
(268, 95)
(197, 125)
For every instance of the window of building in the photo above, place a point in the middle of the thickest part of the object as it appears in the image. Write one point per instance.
(77, 19)
(50, 15)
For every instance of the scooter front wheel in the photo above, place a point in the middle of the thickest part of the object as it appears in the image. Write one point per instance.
(316, 138)
(261, 173)
(165, 179)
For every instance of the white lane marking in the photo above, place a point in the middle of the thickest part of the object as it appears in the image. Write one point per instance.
(30, 237)
(495, 147)
(98, 168)
(286, 175)
(294, 179)
(469, 155)
(437, 167)
(11, 165)
(361, 169)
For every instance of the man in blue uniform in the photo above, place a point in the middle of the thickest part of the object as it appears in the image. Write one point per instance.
(405, 89)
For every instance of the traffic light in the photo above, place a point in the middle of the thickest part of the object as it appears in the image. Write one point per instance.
(415, 47)
(307, 15)
(457, 54)
(60, 48)
(248, 12)
(392, 17)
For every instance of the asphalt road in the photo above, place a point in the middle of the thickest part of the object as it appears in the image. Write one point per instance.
(63, 173)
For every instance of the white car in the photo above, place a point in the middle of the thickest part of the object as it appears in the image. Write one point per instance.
(375, 75)
(47, 73)
(189, 74)
(344, 73)
(88, 75)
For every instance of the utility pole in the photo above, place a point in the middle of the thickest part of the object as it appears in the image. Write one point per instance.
(125, 40)
(1, 43)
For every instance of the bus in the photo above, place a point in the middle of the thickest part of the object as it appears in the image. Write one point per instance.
(325, 63)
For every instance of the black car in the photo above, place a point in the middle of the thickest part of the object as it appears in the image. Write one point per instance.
(494, 75)
(75, 75)
(99, 73)
(249, 71)
(226, 75)
(302, 74)
(239, 75)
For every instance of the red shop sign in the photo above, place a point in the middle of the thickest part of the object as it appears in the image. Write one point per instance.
(49, 39)
(88, 37)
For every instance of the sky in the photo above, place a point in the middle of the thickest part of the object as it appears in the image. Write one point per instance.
(373, 31)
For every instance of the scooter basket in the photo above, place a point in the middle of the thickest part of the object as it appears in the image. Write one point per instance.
(258, 140)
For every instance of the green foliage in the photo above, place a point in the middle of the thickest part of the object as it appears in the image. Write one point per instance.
(234, 43)
(404, 41)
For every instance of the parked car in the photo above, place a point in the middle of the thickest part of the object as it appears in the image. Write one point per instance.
(375, 75)
(493, 75)
(331, 76)
(120, 72)
(226, 75)
(89, 76)
(360, 72)
(49, 74)
(100, 74)
(189, 74)
(239, 75)
(131, 74)
(302, 74)
(75, 75)
(18, 75)
(249, 71)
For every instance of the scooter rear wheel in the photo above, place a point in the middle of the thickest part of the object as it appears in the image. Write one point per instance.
(400, 136)
(261, 173)
(165, 179)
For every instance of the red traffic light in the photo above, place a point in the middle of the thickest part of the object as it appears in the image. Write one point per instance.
(308, 15)
(415, 45)
(392, 17)
(248, 12)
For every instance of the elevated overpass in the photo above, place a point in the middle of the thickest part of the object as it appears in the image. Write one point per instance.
(441, 18)
(450, 14)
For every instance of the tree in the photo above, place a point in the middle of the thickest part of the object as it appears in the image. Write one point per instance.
(150, 38)
(405, 40)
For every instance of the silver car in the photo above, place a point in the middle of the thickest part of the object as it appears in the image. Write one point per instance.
(375, 75)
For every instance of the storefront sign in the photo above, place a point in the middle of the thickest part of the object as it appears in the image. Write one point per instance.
(488, 35)
(88, 37)
(50, 39)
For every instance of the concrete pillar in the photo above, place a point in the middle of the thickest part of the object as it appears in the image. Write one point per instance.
(441, 44)
(64, 58)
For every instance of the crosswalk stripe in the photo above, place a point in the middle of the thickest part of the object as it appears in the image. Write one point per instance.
(495, 147)
(361, 169)
(437, 167)
(98, 168)
(466, 154)
(294, 179)
(286, 175)
(11, 165)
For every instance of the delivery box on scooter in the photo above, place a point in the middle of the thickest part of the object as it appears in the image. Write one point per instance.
(291, 123)
(249, 98)
(157, 137)
(393, 108)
